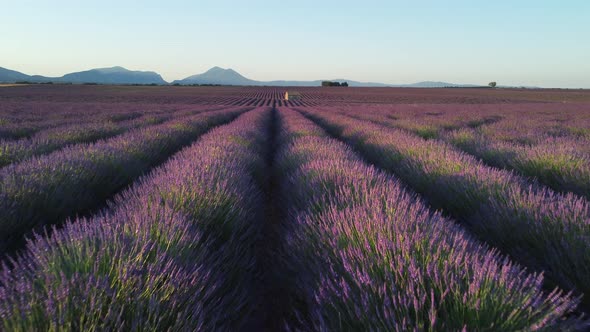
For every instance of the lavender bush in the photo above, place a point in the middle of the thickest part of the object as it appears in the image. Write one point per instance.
(540, 228)
(48, 189)
(174, 252)
(371, 256)
(49, 140)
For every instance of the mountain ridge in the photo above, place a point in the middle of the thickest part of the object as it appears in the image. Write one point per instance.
(217, 75)
(221, 76)
(214, 76)
(109, 75)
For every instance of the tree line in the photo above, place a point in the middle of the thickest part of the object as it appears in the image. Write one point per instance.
(330, 83)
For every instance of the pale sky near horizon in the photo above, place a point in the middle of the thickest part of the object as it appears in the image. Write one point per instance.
(535, 43)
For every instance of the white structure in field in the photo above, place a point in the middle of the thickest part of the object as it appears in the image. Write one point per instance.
(292, 95)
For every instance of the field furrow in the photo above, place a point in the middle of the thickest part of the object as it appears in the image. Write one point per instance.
(180, 243)
(371, 256)
(556, 155)
(557, 162)
(205, 207)
(48, 189)
(537, 227)
(26, 119)
(47, 141)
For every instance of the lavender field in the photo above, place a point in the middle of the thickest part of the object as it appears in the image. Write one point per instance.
(346, 209)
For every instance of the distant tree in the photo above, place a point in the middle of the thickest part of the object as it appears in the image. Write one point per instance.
(492, 84)
(330, 83)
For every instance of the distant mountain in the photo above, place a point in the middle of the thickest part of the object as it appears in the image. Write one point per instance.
(215, 75)
(433, 84)
(11, 76)
(358, 84)
(113, 75)
(319, 83)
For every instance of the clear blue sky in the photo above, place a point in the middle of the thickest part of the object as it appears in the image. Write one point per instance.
(544, 43)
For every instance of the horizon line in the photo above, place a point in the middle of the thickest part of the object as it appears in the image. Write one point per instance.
(170, 82)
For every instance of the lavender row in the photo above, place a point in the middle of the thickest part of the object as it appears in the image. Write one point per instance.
(25, 123)
(47, 189)
(557, 162)
(515, 122)
(46, 141)
(372, 257)
(174, 253)
(52, 139)
(22, 120)
(540, 228)
(556, 155)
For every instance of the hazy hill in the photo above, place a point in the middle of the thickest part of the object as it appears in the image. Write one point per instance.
(215, 75)
(11, 76)
(113, 75)
(433, 84)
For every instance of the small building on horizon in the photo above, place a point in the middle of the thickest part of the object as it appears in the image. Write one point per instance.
(292, 95)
